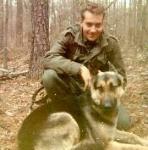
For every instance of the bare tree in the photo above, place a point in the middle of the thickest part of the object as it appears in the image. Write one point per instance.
(19, 24)
(6, 22)
(10, 22)
(145, 24)
(1, 24)
(139, 23)
(125, 19)
(40, 35)
(130, 23)
(27, 24)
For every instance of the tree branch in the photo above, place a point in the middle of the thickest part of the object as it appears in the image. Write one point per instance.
(113, 2)
(6, 74)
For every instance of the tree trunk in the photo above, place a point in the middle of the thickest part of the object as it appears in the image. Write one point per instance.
(134, 21)
(19, 24)
(1, 24)
(76, 10)
(115, 16)
(53, 22)
(144, 28)
(145, 25)
(139, 23)
(6, 23)
(11, 28)
(40, 36)
(124, 23)
(27, 26)
(130, 23)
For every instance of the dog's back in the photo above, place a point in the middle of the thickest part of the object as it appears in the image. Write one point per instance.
(44, 129)
(30, 128)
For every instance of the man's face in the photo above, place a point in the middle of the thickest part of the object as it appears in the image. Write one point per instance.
(92, 26)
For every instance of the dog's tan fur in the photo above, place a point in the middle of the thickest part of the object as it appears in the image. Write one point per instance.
(61, 132)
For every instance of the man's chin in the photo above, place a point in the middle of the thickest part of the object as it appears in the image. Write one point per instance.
(92, 39)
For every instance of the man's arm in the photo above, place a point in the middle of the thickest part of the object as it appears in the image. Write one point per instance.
(115, 58)
(55, 59)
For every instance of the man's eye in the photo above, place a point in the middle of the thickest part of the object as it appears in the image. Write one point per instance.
(89, 24)
(98, 25)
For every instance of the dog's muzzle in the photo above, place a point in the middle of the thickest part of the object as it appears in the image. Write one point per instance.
(109, 104)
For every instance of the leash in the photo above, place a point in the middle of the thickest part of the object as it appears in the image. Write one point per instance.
(42, 100)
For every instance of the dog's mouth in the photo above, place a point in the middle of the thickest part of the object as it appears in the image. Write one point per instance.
(109, 111)
(106, 110)
(105, 115)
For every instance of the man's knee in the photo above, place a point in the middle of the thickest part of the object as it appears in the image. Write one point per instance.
(124, 120)
(49, 76)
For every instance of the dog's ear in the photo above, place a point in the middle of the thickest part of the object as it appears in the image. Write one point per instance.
(121, 83)
(120, 78)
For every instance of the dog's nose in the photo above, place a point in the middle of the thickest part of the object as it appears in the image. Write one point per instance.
(109, 103)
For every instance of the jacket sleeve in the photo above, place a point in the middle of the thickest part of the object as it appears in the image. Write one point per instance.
(55, 58)
(114, 56)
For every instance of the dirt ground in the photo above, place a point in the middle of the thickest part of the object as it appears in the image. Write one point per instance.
(15, 96)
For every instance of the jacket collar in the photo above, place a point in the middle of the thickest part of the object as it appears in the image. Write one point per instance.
(104, 39)
(79, 38)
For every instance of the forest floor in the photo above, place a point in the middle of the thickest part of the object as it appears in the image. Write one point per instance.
(15, 96)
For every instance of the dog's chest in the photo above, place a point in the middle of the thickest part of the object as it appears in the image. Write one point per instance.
(107, 131)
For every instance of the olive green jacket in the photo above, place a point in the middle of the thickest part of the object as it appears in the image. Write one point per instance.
(71, 50)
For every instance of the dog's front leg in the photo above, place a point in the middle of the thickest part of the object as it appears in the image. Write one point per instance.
(87, 145)
(97, 131)
(120, 146)
(126, 137)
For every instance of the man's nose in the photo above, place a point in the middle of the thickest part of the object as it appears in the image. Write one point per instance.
(93, 29)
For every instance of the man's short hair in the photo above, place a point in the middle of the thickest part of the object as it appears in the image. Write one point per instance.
(94, 8)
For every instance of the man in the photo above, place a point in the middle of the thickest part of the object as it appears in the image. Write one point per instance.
(76, 56)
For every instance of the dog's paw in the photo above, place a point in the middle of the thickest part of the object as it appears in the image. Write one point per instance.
(145, 141)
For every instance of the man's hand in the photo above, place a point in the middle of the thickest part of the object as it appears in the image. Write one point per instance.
(86, 76)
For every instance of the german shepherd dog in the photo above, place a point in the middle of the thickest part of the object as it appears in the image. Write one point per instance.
(45, 129)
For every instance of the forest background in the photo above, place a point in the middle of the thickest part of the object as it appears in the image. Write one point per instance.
(27, 30)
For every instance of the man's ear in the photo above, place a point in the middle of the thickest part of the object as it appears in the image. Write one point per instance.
(100, 72)
(81, 24)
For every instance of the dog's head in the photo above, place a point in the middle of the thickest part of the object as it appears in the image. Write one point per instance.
(106, 91)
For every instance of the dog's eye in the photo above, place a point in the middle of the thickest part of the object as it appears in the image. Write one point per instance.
(119, 82)
(100, 88)
(113, 86)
